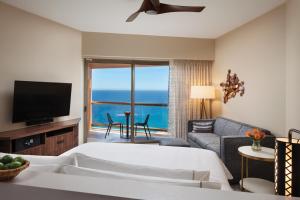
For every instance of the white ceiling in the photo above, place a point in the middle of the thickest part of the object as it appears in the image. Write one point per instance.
(219, 17)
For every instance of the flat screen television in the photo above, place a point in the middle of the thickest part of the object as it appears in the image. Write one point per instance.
(40, 102)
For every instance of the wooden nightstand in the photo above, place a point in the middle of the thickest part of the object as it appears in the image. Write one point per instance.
(250, 184)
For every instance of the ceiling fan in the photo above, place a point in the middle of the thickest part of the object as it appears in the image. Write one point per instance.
(154, 7)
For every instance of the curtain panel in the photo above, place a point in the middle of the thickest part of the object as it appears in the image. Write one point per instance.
(183, 75)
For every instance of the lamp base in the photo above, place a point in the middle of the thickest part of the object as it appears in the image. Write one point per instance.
(203, 110)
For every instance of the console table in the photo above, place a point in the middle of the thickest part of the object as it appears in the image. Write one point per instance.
(49, 139)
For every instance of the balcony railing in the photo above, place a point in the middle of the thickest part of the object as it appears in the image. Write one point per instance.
(137, 105)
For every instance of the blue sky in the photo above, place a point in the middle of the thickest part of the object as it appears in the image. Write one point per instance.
(147, 78)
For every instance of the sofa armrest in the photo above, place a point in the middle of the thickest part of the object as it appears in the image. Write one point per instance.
(230, 144)
(229, 154)
(190, 123)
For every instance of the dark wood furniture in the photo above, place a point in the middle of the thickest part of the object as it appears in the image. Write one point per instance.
(50, 139)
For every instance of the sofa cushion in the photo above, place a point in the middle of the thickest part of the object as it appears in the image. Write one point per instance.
(175, 142)
(203, 139)
(205, 126)
(214, 147)
(225, 127)
(231, 128)
(219, 126)
(192, 136)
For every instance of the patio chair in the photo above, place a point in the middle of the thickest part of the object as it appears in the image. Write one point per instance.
(144, 125)
(112, 123)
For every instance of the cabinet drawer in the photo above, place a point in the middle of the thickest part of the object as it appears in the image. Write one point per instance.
(38, 150)
(57, 145)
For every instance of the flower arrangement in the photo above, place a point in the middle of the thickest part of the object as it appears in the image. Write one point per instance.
(256, 135)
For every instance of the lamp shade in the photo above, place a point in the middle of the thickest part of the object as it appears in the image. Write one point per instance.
(287, 165)
(202, 92)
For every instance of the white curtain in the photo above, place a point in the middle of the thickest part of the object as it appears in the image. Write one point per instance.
(184, 74)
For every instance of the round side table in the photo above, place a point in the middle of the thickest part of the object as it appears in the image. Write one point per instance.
(250, 184)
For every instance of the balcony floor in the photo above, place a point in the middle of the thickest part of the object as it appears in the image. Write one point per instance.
(98, 135)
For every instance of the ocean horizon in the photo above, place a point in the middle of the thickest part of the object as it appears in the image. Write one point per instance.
(158, 115)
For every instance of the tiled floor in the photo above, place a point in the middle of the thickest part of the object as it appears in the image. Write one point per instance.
(98, 135)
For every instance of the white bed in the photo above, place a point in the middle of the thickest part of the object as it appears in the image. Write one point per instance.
(158, 156)
(40, 176)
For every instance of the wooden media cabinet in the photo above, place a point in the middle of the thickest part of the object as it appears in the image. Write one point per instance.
(50, 139)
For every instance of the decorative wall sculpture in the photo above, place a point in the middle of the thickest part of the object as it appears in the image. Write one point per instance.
(232, 86)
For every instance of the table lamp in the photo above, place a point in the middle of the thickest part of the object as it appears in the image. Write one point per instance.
(203, 93)
(287, 165)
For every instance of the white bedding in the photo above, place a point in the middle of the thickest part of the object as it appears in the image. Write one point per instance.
(85, 161)
(88, 172)
(158, 156)
(140, 154)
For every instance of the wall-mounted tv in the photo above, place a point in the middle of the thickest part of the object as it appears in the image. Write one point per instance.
(40, 102)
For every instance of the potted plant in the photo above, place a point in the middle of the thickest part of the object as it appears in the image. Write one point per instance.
(257, 136)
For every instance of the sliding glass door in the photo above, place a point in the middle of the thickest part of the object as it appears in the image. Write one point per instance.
(110, 94)
(151, 97)
(122, 91)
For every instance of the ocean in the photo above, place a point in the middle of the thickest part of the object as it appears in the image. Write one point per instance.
(158, 115)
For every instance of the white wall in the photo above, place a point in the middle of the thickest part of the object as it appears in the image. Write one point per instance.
(293, 64)
(256, 52)
(146, 47)
(36, 49)
(264, 53)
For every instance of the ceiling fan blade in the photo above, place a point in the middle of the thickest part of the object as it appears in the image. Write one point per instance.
(144, 6)
(166, 8)
(133, 16)
(155, 3)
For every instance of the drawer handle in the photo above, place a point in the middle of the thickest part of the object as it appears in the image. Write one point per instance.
(60, 142)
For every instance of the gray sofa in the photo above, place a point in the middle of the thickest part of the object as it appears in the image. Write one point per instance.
(224, 138)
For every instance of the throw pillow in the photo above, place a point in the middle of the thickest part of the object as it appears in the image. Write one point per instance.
(203, 126)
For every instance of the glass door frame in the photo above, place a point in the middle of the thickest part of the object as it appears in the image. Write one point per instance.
(90, 64)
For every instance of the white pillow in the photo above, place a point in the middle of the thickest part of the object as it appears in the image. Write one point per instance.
(73, 170)
(82, 160)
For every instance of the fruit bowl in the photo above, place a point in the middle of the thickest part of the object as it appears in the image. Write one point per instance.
(9, 174)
